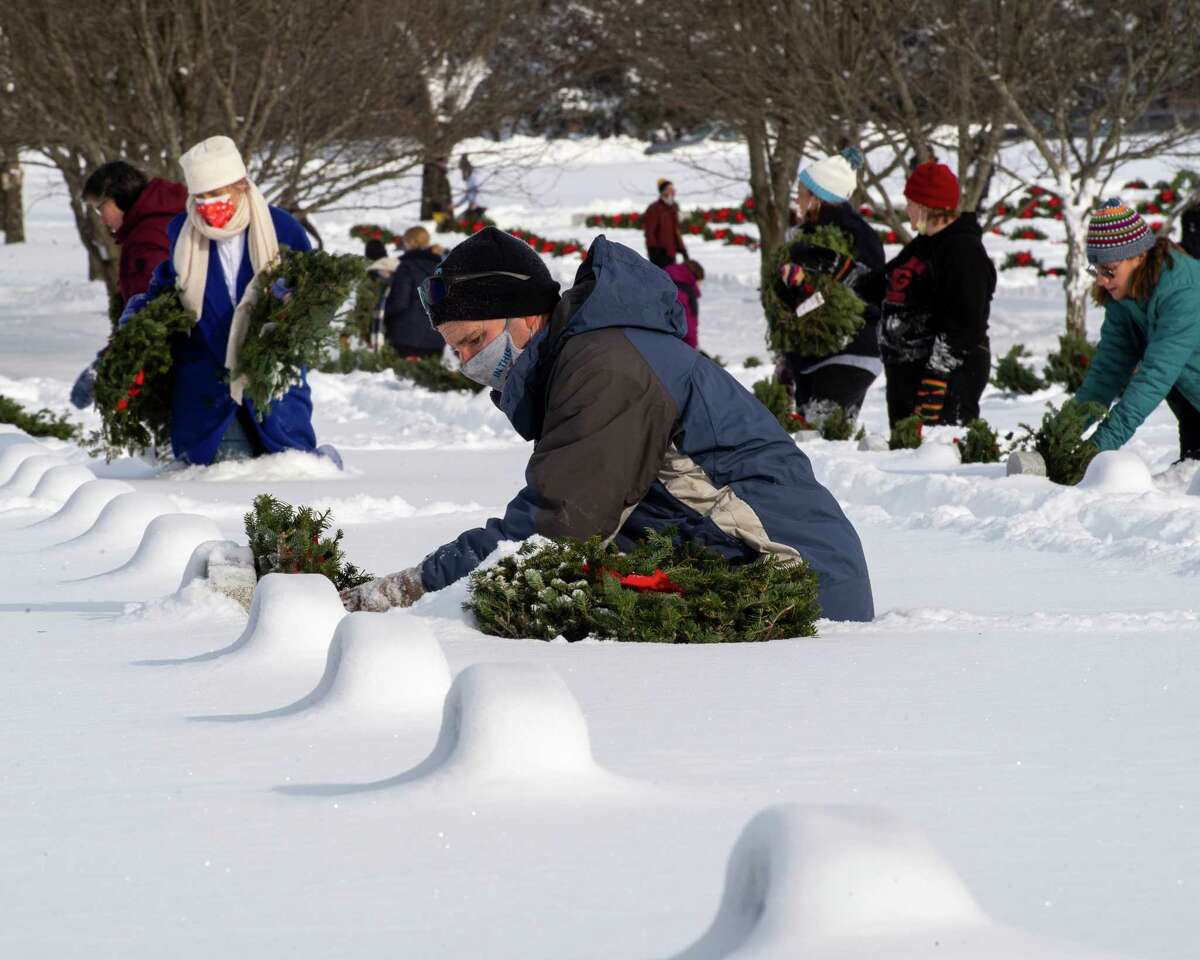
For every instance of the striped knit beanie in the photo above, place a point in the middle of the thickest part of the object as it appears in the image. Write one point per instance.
(834, 178)
(1117, 232)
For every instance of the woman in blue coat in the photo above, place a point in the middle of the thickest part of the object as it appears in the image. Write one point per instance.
(227, 235)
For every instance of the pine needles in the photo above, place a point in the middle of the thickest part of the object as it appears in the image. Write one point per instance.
(572, 589)
(287, 539)
(287, 336)
(827, 329)
(1060, 441)
(134, 380)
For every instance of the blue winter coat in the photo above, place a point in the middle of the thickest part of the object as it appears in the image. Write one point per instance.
(635, 431)
(202, 407)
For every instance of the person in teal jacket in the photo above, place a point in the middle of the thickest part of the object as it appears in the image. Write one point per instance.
(1149, 347)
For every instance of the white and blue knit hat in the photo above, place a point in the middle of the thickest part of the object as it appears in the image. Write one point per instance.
(834, 178)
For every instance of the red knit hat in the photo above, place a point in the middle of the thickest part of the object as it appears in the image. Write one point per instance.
(934, 185)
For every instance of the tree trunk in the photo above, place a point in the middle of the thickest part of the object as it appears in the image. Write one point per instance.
(12, 205)
(1077, 283)
(435, 190)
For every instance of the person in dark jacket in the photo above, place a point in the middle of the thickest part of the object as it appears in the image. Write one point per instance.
(823, 199)
(660, 225)
(633, 430)
(225, 238)
(405, 321)
(1189, 237)
(937, 297)
(136, 212)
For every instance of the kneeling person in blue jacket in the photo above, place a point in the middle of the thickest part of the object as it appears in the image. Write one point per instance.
(633, 430)
(225, 238)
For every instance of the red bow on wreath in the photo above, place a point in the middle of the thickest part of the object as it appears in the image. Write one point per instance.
(657, 582)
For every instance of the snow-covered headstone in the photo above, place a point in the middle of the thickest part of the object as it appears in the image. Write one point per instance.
(826, 883)
(1117, 471)
(874, 443)
(120, 523)
(227, 566)
(155, 567)
(14, 454)
(292, 616)
(381, 665)
(80, 511)
(58, 483)
(1025, 463)
(25, 478)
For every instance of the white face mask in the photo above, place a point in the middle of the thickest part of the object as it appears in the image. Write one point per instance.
(492, 365)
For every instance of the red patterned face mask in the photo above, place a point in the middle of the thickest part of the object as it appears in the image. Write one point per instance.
(216, 211)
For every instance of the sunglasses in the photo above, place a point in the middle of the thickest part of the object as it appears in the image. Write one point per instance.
(435, 289)
(1108, 273)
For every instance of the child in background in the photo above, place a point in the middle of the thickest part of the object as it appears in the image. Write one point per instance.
(687, 277)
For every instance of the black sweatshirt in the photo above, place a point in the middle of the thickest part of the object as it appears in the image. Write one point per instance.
(937, 296)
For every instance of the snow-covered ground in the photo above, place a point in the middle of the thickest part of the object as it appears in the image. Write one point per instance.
(1022, 715)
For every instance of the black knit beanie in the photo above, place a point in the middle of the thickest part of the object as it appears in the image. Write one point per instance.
(494, 298)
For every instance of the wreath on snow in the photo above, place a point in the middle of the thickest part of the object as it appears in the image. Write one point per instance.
(660, 592)
(811, 332)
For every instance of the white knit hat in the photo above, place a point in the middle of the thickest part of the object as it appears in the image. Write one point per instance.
(834, 178)
(212, 163)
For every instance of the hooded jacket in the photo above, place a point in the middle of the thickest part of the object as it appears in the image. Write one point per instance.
(202, 407)
(938, 298)
(143, 234)
(635, 431)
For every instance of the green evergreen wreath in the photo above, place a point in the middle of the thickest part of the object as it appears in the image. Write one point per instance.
(1060, 442)
(284, 337)
(287, 539)
(826, 330)
(677, 594)
(134, 378)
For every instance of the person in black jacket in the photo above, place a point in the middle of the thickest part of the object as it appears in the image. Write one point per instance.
(823, 196)
(1190, 236)
(937, 297)
(405, 321)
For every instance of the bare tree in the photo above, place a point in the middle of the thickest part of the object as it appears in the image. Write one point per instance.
(1103, 68)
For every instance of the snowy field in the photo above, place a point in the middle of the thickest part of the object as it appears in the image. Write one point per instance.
(1011, 746)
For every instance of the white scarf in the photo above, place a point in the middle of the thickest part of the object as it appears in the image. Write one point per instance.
(191, 265)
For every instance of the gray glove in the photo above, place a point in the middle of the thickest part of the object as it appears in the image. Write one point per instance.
(401, 589)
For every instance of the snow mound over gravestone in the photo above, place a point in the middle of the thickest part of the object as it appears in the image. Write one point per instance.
(25, 478)
(79, 512)
(1117, 471)
(507, 728)
(59, 483)
(13, 455)
(292, 618)
(850, 883)
(119, 525)
(155, 567)
(380, 668)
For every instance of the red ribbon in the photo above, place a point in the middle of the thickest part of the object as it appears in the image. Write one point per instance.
(657, 582)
